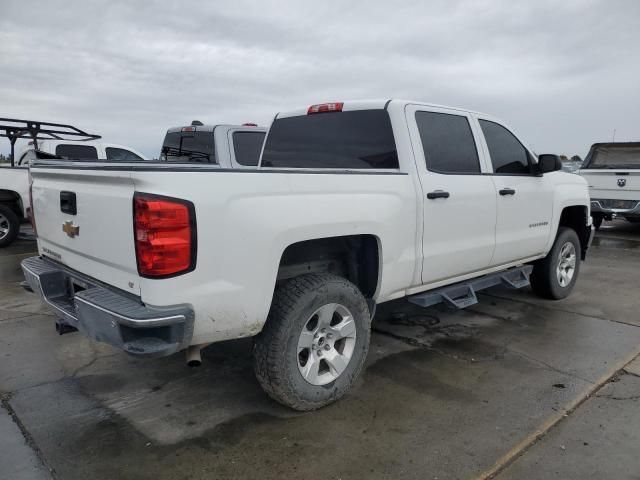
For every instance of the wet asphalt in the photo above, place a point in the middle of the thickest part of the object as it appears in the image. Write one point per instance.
(513, 387)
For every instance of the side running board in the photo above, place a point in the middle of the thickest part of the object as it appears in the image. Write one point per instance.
(463, 294)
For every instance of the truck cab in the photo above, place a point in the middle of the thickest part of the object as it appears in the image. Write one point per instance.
(78, 150)
(227, 146)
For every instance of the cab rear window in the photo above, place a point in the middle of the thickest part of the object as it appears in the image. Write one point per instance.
(188, 147)
(77, 152)
(360, 139)
(614, 156)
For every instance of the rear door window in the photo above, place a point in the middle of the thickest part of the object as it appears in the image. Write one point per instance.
(508, 155)
(247, 147)
(448, 143)
(360, 139)
(77, 152)
(121, 155)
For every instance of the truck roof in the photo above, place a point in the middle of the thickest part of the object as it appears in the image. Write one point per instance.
(372, 104)
(210, 128)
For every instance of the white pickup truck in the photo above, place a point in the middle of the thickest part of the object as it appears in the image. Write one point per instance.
(352, 204)
(612, 171)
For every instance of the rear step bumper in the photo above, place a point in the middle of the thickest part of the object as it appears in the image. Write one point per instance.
(109, 315)
(631, 207)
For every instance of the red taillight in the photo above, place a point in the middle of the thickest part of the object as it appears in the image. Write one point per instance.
(249, 124)
(165, 235)
(325, 107)
(31, 213)
(188, 129)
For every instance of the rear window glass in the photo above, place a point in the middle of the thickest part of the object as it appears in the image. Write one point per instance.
(615, 157)
(188, 147)
(354, 140)
(448, 143)
(247, 147)
(77, 152)
(121, 155)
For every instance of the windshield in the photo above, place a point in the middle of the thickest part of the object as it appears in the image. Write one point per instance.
(615, 157)
(188, 147)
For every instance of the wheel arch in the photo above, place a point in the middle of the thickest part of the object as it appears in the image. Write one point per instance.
(13, 200)
(358, 258)
(576, 217)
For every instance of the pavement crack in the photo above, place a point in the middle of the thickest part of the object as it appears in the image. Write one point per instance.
(615, 397)
(94, 359)
(547, 366)
(28, 438)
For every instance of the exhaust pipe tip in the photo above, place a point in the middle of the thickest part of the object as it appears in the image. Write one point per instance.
(194, 359)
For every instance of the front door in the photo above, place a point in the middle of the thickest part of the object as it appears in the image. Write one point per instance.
(459, 203)
(524, 199)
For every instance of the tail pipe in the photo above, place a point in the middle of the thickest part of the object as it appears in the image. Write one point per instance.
(194, 359)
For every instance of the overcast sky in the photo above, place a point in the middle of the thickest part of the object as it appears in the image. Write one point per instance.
(564, 74)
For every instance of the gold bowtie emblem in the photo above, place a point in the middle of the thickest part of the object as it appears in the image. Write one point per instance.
(70, 229)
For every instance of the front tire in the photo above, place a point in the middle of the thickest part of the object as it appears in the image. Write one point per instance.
(9, 226)
(554, 276)
(314, 343)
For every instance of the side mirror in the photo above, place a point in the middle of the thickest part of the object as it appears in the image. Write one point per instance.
(549, 162)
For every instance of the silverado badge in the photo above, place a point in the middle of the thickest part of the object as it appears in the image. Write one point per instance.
(622, 182)
(70, 229)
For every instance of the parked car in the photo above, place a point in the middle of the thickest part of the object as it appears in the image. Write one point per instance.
(352, 204)
(228, 146)
(612, 171)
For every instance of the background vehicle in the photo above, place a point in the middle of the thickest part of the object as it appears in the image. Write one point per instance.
(14, 178)
(353, 204)
(228, 146)
(612, 171)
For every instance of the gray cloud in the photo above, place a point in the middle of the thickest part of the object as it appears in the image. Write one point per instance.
(563, 74)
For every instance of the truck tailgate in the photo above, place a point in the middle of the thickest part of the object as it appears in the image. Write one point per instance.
(623, 184)
(84, 220)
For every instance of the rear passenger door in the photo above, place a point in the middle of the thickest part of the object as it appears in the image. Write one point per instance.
(524, 199)
(459, 202)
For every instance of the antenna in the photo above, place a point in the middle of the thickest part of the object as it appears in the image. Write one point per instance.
(614, 136)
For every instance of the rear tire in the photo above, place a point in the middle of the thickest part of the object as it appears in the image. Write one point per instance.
(554, 276)
(9, 226)
(314, 343)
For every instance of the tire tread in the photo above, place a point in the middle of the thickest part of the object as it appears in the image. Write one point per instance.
(271, 342)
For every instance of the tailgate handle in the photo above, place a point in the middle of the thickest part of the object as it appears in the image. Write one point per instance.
(68, 203)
